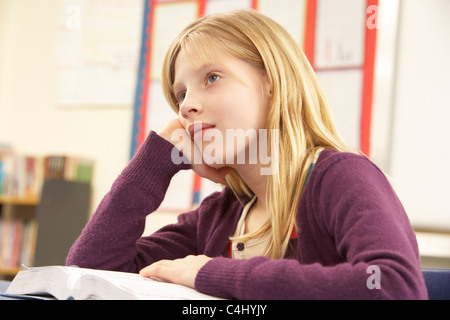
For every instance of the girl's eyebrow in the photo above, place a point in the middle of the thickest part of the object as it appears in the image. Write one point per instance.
(201, 69)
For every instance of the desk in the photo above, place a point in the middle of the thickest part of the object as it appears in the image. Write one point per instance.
(3, 286)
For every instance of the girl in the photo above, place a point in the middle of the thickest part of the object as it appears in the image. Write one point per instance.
(324, 224)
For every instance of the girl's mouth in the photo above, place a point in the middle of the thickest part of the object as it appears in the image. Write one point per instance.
(198, 129)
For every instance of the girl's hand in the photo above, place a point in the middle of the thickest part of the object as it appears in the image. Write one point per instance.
(183, 141)
(180, 271)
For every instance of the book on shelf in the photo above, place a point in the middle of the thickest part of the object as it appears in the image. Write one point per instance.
(22, 176)
(4, 151)
(17, 242)
(68, 167)
(62, 283)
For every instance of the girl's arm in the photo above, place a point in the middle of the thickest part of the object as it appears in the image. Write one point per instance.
(112, 238)
(109, 239)
(355, 242)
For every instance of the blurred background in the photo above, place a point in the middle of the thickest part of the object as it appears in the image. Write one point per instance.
(79, 91)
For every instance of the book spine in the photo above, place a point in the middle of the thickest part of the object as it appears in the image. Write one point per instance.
(69, 168)
(17, 242)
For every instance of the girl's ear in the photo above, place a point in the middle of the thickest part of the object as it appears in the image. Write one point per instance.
(269, 91)
(267, 85)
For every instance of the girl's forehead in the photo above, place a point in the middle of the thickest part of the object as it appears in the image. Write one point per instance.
(190, 62)
(204, 48)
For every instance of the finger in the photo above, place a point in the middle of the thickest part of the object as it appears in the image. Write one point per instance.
(220, 174)
(179, 271)
(161, 271)
(213, 174)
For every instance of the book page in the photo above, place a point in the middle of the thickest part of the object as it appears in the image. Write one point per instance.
(40, 282)
(82, 283)
(144, 288)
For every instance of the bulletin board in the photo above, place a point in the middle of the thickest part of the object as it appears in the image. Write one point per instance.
(333, 35)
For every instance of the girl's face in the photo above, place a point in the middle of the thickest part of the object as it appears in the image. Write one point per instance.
(223, 102)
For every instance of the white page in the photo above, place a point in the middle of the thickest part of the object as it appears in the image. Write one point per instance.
(144, 288)
(97, 52)
(169, 20)
(343, 90)
(67, 281)
(340, 33)
(217, 6)
(290, 14)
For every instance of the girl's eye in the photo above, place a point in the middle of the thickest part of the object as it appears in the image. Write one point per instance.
(181, 96)
(213, 78)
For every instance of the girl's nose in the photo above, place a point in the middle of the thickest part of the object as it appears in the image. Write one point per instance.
(189, 106)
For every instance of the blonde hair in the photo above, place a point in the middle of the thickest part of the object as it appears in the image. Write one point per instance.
(299, 109)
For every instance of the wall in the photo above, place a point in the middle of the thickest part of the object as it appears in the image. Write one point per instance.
(411, 115)
(412, 108)
(420, 155)
(30, 121)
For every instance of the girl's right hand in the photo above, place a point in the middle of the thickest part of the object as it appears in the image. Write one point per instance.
(182, 140)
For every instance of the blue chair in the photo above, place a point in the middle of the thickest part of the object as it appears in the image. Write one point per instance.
(437, 282)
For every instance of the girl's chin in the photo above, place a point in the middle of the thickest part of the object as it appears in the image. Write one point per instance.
(214, 162)
(217, 156)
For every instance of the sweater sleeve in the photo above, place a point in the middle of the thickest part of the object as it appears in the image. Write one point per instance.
(356, 233)
(110, 239)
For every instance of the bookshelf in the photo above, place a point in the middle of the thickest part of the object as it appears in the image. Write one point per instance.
(19, 201)
(18, 229)
(44, 202)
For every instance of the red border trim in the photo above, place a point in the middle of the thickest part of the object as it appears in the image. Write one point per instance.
(146, 79)
(368, 83)
(310, 30)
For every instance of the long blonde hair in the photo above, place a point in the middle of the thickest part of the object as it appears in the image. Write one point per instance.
(299, 110)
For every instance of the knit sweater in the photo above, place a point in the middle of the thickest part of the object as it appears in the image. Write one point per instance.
(354, 241)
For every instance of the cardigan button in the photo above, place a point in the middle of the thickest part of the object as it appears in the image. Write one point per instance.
(240, 246)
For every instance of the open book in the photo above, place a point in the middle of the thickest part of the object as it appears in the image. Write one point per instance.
(64, 283)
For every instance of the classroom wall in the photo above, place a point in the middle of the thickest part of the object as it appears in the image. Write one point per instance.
(30, 120)
(419, 155)
(411, 104)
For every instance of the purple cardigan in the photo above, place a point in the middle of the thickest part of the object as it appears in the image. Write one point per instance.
(349, 218)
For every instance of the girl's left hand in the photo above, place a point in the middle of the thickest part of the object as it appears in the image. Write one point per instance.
(180, 271)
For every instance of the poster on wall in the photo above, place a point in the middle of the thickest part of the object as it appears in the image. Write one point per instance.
(97, 52)
(338, 56)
